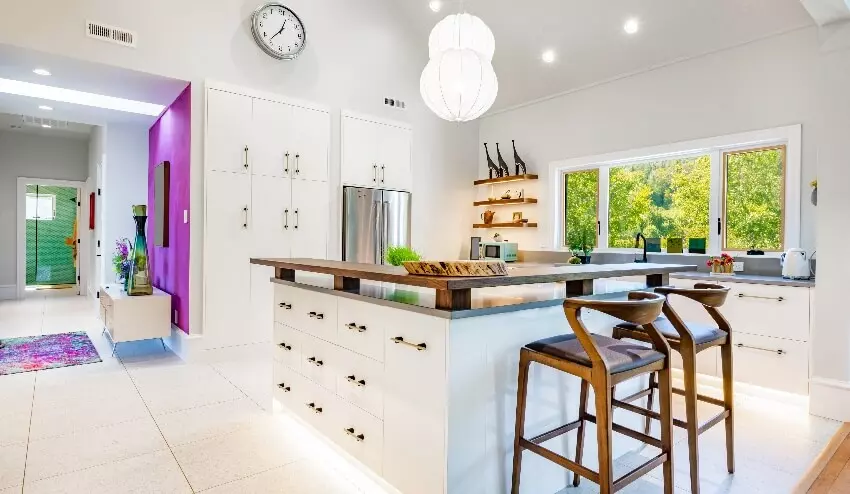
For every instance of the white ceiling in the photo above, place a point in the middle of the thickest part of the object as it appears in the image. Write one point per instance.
(17, 123)
(18, 63)
(590, 43)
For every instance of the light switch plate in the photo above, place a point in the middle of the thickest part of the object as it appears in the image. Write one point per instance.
(738, 266)
(185, 216)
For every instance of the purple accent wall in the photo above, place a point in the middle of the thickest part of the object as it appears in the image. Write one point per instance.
(170, 140)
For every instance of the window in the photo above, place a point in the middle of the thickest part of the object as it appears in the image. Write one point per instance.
(40, 207)
(753, 199)
(731, 193)
(581, 200)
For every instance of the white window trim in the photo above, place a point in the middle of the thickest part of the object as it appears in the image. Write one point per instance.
(790, 136)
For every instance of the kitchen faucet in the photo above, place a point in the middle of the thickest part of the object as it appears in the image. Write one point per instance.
(637, 244)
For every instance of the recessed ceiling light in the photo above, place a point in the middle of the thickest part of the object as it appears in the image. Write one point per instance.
(435, 5)
(45, 107)
(45, 126)
(50, 93)
(631, 26)
(41, 71)
(548, 56)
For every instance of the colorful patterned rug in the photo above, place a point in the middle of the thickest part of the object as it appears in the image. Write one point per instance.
(32, 353)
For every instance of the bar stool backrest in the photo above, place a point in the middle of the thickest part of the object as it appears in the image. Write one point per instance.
(708, 294)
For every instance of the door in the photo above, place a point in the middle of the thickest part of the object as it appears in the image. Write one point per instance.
(395, 212)
(228, 132)
(226, 257)
(271, 217)
(359, 160)
(394, 157)
(273, 139)
(361, 221)
(311, 217)
(312, 130)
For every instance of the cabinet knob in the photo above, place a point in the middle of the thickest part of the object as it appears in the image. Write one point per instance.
(315, 361)
(284, 387)
(353, 380)
(317, 315)
(312, 406)
(284, 305)
(286, 347)
(354, 327)
(351, 432)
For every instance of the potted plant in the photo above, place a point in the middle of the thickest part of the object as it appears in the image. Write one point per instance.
(121, 261)
(721, 265)
(397, 255)
(582, 251)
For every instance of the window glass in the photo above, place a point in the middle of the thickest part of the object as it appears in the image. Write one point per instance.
(754, 199)
(663, 199)
(40, 206)
(581, 191)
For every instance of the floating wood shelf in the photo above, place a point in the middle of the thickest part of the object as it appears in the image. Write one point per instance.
(512, 178)
(505, 225)
(504, 202)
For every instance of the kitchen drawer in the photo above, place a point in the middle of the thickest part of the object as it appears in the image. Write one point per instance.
(360, 327)
(359, 381)
(771, 362)
(288, 386)
(362, 435)
(316, 314)
(287, 346)
(766, 310)
(321, 409)
(285, 305)
(318, 362)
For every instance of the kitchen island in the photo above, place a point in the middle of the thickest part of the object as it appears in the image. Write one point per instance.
(415, 378)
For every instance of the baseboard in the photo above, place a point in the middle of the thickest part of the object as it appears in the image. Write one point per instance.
(822, 460)
(187, 347)
(8, 292)
(829, 398)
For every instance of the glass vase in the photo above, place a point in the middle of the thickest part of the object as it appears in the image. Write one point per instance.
(139, 281)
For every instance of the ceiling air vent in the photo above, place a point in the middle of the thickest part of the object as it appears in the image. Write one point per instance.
(112, 34)
(29, 121)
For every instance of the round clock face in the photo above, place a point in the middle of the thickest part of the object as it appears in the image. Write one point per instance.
(278, 31)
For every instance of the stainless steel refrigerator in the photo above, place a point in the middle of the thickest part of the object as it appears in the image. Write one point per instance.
(373, 220)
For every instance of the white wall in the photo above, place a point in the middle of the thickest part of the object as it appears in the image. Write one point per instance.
(764, 84)
(357, 53)
(124, 184)
(32, 156)
(97, 153)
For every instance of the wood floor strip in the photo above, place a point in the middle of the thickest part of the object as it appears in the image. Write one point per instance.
(828, 466)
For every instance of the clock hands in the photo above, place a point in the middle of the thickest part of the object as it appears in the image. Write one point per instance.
(281, 30)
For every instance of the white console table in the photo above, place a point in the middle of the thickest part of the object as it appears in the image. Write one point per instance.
(127, 318)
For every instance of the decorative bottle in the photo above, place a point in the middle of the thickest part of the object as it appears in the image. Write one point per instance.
(139, 282)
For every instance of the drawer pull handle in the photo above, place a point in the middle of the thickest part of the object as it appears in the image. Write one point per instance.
(778, 352)
(778, 299)
(317, 315)
(314, 361)
(284, 387)
(354, 327)
(284, 305)
(399, 340)
(353, 380)
(312, 406)
(358, 437)
(286, 347)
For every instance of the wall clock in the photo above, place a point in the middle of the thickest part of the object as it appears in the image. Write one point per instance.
(278, 31)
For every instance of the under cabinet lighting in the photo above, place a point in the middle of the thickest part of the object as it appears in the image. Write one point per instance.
(51, 93)
(45, 126)
(41, 71)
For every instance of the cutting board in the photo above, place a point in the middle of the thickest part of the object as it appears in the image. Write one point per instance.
(457, 268)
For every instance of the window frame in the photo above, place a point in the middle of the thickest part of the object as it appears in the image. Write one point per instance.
(37, 197)
(715, 147)
(564, 244)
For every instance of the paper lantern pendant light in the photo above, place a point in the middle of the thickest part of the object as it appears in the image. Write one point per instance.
(459, 83)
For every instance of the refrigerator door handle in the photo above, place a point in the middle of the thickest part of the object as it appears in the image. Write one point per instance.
(379, 258)
(385, 213)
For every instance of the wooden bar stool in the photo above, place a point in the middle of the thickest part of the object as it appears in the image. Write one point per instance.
(689, 339)
(603, 362)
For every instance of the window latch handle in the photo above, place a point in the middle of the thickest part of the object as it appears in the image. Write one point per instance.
(719, 227)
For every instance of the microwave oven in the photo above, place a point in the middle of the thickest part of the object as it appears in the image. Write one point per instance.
(506, 251)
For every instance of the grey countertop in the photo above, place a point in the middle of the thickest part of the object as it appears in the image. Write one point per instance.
(744, 278)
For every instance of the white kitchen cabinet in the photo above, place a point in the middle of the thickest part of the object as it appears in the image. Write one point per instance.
(271, 215)
(228, 136)
(272, 137)
(311, 129)
(375, 154)
(310, 219)
(226, 256)
(262, 308)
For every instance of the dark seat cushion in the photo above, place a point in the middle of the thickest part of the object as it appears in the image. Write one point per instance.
(703, 333)
(619, 355)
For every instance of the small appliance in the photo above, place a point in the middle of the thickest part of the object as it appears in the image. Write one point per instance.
(506, 251)
(475, 248)
(795, 264)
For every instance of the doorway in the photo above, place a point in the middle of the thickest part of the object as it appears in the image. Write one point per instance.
(49, 242)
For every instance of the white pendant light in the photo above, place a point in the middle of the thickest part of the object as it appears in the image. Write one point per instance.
(462, 31)
(459, 85)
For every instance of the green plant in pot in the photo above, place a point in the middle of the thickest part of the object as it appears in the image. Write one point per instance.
(581, 250)
(397, 255)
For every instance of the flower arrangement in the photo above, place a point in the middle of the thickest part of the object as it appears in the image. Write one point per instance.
(721, 265)
(121, 262)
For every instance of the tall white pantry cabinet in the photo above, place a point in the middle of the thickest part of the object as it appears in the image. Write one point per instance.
(266, 195)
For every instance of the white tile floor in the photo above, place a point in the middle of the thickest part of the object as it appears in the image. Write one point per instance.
(147, 422)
